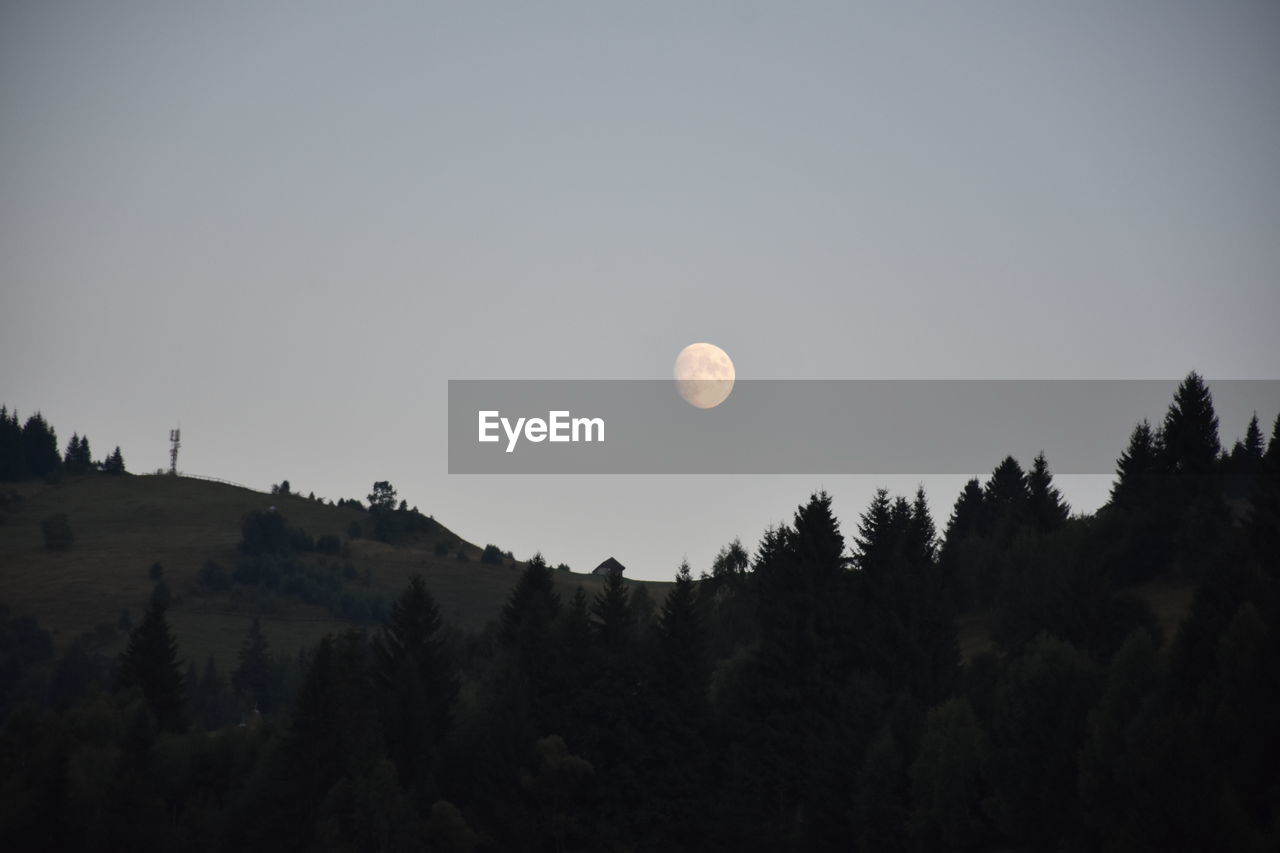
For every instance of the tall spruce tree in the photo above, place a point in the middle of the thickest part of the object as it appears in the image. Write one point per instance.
(40, 447)
(966, 515)
(114, 464)
(254, 677)
(680, 679)
(1254, 446)
(1045, 504)
(613, 621)
(1136, 469)
(150, 662)
(417, 683)
(13, 465)
(1005, 497)
(1190, 431)
(1264, 509)
(525, 625)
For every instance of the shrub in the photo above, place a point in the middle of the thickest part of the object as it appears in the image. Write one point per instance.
(492, 554)
(442, 548)
(329, 543)
(353, 530)
(57, 532)
(155, 572)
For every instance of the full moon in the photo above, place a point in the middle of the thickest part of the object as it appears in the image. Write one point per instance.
(704, 375)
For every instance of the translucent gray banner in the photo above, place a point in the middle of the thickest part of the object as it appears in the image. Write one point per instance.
(813, 426)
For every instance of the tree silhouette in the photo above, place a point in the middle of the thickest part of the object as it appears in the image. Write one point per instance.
(254, 677)
(114, 464)
(150, 662)
(1044, 502)
(416, 681)
(1190, 442)
(40, 447)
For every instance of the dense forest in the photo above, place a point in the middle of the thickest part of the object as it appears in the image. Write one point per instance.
(807, 695)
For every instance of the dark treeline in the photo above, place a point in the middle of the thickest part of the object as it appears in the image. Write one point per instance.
(810, 695)
(30, 450)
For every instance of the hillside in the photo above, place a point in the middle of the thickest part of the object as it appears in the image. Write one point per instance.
(123, 525)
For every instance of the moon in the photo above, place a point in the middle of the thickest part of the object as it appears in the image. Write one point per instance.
(704, 375)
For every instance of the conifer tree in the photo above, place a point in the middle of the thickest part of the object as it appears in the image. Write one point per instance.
(70, 457)
(966, 515)
(680, 675)
(613, 621)
(333, 732)
(682, 641)
(922, 534)
(525, 625)
(1264, 511)
(1045, 504)
(40, 447)
(575, 626)
(876, 541)
(1005, 497)
(1190, 431)
(114, 464)
(416, 681)
(253, 678)
(1135, 484)
(12, 461)
(1254, 446)
(150, 662)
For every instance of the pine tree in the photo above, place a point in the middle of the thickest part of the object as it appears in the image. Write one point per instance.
(575, 626)
(1005, 497)
(1045, 505)
(333, 733)
(71, 457)
(150, 662)
(1136, 469)
(114, 463)
(40, 447)
(922, 534)
(876, 544)
(1254, 446)
(254, 677)
(680, 676)
(613, 619)
(416, 681)
(966, 515)
(1264, 511)
(682, 640)
(1190, 431)
(13, 464)
(525, 625)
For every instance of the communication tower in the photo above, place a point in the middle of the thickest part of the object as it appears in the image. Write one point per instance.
(174, 444)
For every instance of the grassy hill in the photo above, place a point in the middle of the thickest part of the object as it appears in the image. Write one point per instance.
(122, 525)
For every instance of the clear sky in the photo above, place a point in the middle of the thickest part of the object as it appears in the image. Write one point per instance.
(287, 225)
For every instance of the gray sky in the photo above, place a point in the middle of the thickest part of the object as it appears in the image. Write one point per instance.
(288, 230)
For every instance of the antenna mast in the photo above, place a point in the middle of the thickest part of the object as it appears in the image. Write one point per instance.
(174, 435)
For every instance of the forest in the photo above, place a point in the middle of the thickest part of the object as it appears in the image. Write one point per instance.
(807, 693)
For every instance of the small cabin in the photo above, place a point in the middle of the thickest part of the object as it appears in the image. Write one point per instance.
(609, 567)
